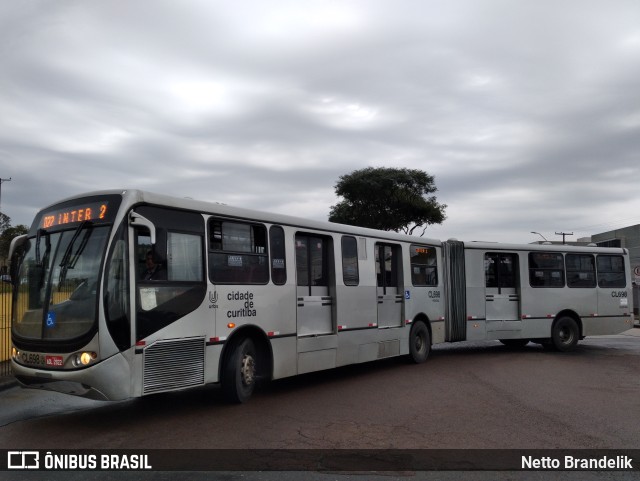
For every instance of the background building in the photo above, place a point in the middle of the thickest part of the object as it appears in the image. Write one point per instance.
(629, 238)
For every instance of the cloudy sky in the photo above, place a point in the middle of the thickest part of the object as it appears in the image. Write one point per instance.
(527, 112)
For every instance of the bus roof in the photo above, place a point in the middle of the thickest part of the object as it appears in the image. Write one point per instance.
(132, 197)
(544, 247)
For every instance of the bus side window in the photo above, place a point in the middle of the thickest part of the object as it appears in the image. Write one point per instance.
(350, 273)
(238, 253)
(611, 271)
(144, 249)
(424, 266)
(546, 269)
(184, 257)
(581, 270)
(278, 258)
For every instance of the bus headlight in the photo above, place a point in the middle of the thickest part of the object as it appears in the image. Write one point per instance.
(84, 358)
(14, 353)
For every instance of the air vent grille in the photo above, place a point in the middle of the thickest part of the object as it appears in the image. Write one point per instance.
(174, 364)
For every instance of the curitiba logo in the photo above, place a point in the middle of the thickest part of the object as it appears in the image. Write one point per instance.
(213, 299)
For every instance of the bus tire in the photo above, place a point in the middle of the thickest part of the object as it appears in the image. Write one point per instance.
(239, 372)
(565, 334)
(419, 343)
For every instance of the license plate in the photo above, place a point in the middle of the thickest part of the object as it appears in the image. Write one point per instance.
(34, 359)
(54, 361)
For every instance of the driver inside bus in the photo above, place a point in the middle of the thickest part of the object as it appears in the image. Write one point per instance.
(154, 270)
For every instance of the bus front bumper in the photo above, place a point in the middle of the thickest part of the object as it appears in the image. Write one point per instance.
(108, 380)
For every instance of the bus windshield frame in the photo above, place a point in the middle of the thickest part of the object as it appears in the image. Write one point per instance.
(59, 272)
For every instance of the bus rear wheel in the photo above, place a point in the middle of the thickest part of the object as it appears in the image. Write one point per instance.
(419, 343)
(240, 372)
(565, 334)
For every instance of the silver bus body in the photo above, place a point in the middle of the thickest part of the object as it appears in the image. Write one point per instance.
(248, 295)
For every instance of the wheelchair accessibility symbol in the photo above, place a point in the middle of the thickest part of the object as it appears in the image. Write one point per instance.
(51, 319)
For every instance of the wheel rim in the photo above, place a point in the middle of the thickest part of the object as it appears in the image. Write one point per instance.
(419, 343)
(565, 335)
(248, 370)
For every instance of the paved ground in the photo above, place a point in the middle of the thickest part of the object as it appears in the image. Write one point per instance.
(476, 394)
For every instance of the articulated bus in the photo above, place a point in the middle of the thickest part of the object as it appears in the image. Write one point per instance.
(122, 294)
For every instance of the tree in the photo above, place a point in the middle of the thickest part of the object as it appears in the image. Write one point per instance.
(7, 233)
(388, 199)
(5, 222)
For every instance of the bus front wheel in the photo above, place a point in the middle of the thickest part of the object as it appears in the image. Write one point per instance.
(565, 334)
(419, 343)
(239, 372)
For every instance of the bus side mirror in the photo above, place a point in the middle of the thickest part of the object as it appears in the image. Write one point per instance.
(137, 220)
(17, 242)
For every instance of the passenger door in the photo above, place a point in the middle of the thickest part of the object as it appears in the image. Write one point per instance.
(314, 300)
(501, 291)
(389, 285)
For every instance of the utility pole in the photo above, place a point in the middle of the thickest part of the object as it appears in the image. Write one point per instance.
(564, 234)
(1, 182)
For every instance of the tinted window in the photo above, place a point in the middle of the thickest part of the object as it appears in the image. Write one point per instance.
(500, 270)
(278, 263)
(387, 258)
(581, 270)
(546, 269)
(311, 261)
(611, 271)
(238, 253)
(350, 272)
(170, 272)
(424, 266)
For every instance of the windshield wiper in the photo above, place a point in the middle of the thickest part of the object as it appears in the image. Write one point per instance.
(39, 235)
(64, 263)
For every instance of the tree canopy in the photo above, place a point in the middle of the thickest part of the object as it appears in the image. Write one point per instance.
(7, 233)
(5, 222)
(388, 199)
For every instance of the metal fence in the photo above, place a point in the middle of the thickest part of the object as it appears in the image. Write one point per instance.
(5, 328)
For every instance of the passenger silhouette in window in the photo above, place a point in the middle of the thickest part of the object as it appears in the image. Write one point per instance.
(154, 270)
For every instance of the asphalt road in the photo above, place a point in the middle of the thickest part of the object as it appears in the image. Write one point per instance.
(467, 395)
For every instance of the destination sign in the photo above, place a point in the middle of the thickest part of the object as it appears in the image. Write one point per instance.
(94, 211)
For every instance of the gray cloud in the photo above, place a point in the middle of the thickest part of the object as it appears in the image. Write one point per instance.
(527, 113)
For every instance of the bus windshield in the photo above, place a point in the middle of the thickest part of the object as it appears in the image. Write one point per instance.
(57, 283)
